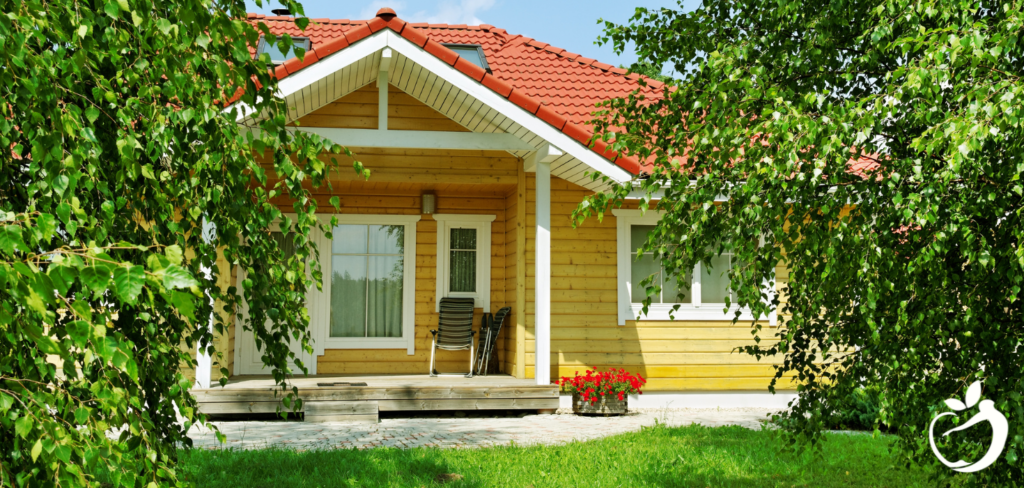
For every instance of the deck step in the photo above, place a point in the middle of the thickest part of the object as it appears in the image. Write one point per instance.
(338, 411)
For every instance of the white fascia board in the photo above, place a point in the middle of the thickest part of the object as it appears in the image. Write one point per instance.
(490, 98)
(386, 38)
(409, 139)
(333, 63)
(321, 69)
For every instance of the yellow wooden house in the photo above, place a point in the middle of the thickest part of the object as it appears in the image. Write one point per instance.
(479, 151)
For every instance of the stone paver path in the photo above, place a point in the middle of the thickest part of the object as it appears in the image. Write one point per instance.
(468, 432)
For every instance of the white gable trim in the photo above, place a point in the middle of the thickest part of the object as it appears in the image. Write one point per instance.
(387, 38)
(333, 63)
(530, 121)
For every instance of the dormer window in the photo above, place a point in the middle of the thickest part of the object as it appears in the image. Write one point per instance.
(275, 51)
(473, 53)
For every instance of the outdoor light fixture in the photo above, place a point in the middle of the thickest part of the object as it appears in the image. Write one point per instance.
(429, 203)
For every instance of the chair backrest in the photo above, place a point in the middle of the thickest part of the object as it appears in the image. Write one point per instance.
(455, 323)
(499, 319)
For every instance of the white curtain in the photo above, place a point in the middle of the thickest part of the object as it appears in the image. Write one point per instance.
(462, 260)
(367, 278)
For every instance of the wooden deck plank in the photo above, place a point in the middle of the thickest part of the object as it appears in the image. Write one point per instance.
(258, 395)
(367, 393)
(391, 405)
(339, 408)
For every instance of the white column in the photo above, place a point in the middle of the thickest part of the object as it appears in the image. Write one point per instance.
(204, 370)
(542, 261)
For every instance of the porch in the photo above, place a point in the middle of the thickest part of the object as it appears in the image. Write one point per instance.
(359, 398)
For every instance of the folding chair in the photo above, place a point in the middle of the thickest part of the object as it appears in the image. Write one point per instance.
(489, 339)
(454, 330)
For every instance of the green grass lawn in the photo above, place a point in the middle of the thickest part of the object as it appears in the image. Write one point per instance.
(692, 456)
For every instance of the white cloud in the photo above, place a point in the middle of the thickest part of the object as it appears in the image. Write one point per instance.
(451, 12)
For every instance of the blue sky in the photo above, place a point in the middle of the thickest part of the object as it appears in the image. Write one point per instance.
(571, 25)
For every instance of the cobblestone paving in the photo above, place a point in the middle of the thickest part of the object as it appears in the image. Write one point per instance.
(467, 432)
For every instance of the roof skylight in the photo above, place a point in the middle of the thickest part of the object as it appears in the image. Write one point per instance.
(275, 51)
(473, 53)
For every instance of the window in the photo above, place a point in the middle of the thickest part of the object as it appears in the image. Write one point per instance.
(648, 265)
(275, 51)
(367, 271)
(462, 260)
(464, 257)
(709, 286)
(473, 53)
(368, 300)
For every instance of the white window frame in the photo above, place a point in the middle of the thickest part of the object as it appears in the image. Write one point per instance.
(320, 311)
(661, 311)
(445, 222)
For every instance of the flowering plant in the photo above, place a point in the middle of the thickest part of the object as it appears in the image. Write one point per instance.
(596, 384)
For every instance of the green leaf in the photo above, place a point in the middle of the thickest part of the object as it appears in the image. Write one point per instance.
(184, 303)
(92, 113)
(173, 253)
(124, 5)
(95, 277)
(83, 309)
(62, 278)
(6, 402)
(23, 426)
(129, 281)
(37, 449)
(10, 239)
(136, 19)
(83, 30)
(112, 9)
(42, 285)
(64, 212)
(164, 25)
(176, 277)
(81, 415)
(60, 183)
(79, 331)
(47, 225)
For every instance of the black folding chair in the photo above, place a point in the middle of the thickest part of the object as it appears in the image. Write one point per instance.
(454, 330)
(489, 338)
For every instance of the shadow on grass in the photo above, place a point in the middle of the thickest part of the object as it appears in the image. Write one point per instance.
(692, 456)
(276, 467)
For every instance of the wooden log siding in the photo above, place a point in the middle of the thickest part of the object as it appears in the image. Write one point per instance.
(465, 182)
(337, 361)
(679, 355)
(673, 355)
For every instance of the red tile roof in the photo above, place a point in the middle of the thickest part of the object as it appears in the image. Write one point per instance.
(560, 87)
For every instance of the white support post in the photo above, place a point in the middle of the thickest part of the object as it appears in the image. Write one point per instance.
(542, 302)
(540, 162)
(204, 368)
(382, 89)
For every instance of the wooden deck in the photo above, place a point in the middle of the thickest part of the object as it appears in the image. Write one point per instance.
(382, 393)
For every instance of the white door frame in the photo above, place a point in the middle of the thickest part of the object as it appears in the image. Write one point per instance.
(245, 342)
